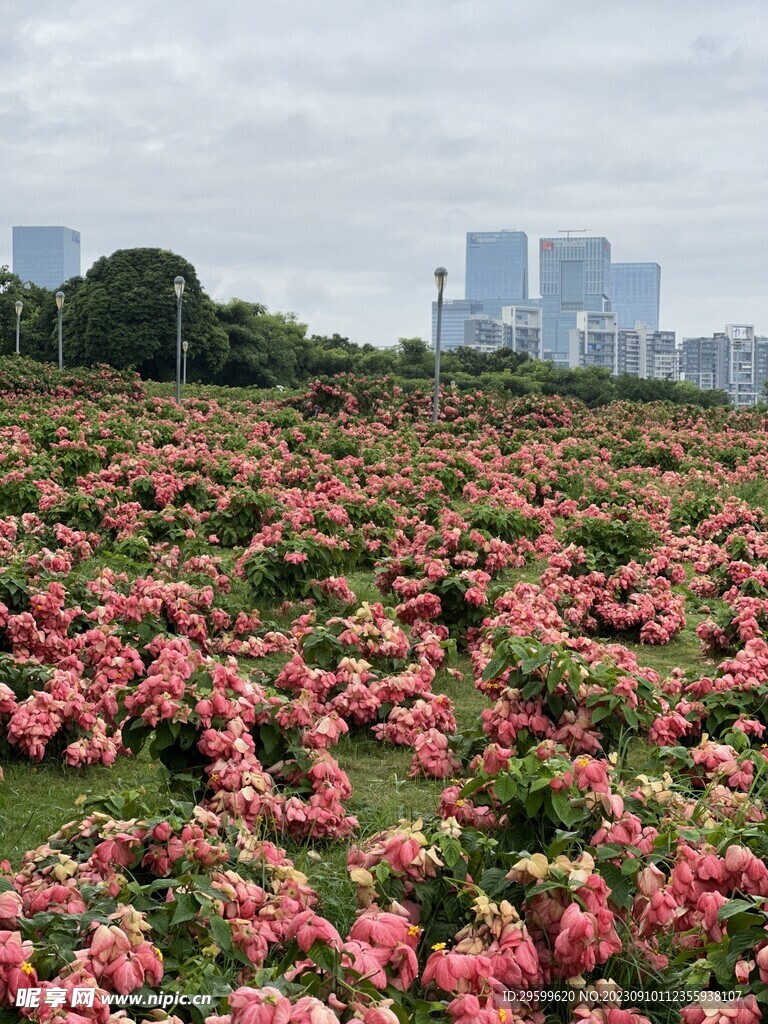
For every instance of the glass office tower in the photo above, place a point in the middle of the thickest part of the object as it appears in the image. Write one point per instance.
(574, 276)
(46, 256)
(636, 293)
(496, 269)
(456, 312)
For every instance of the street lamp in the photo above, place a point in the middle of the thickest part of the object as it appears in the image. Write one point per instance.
(19, 307)
(178, 284)
(440, 275)
(60, 306)
(185, 347)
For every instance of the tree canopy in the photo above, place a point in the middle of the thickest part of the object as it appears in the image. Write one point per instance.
(38, 317)
(123, 312)
(265, 349)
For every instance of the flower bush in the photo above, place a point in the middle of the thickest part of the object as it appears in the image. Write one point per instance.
(193, 583)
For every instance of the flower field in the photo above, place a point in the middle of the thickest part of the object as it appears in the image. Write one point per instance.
(353, 717)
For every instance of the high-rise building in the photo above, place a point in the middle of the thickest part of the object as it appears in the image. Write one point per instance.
(46, 256)
(744, 383)
(594, 341)
(636, 293)
(735, 361)
(648, 354)
(455, 313)
(525, 329)
(485, 334)
(704, 362)
(574, 276)
(761, 366)
(496, 269)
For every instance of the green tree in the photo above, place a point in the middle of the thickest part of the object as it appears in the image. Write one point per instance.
(35, 327)
(325, 356)
(463, 360)
(377, 362)
(505, 359)
(333, 343)
(124, 313)
(592, 385)
(687, 393)
(265, 348)
(414, 358)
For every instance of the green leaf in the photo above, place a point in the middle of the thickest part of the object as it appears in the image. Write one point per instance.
(563, 810)
(600, 713)
(498, 663)
(505, 788)
(734, 907)
(494, 882)
(630, 866)
(631, 717)
(401, 1013)
(221, 933)
(186, 908)
(451, 849)
(532, 688)
(472, 786)
(621, 887)
(609, 851)
(326, 958)
(538, 784)
(560, 844)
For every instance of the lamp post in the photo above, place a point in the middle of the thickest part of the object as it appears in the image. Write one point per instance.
(185, 347)
(440, 275)
(19, 307)
(60, 306)
(178, 284)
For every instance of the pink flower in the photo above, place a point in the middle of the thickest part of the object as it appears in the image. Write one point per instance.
(10, 909)
(456, 972)
(259, 1006)
(309, 1010)
(382, 929)
(744, 1010)
(591, 774)
(307, 928)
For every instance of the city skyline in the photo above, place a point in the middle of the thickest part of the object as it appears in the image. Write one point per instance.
(577, 273)
(636, 278)
(327, 163)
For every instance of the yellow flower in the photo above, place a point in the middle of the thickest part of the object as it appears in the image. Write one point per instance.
(414, 930)
(438, 945)
(27, 967)
(158, 954)
(502, 1016)
(459, 803)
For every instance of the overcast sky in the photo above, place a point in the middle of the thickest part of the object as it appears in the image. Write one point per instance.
(324, 157)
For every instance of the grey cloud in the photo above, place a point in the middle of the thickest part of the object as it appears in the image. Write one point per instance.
(325, 157)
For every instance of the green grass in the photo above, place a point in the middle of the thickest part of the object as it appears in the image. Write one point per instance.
(684, 652)
(40, 798)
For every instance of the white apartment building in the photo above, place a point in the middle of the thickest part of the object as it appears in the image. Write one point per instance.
(644, 352)
(594, 341)
(525, 327)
